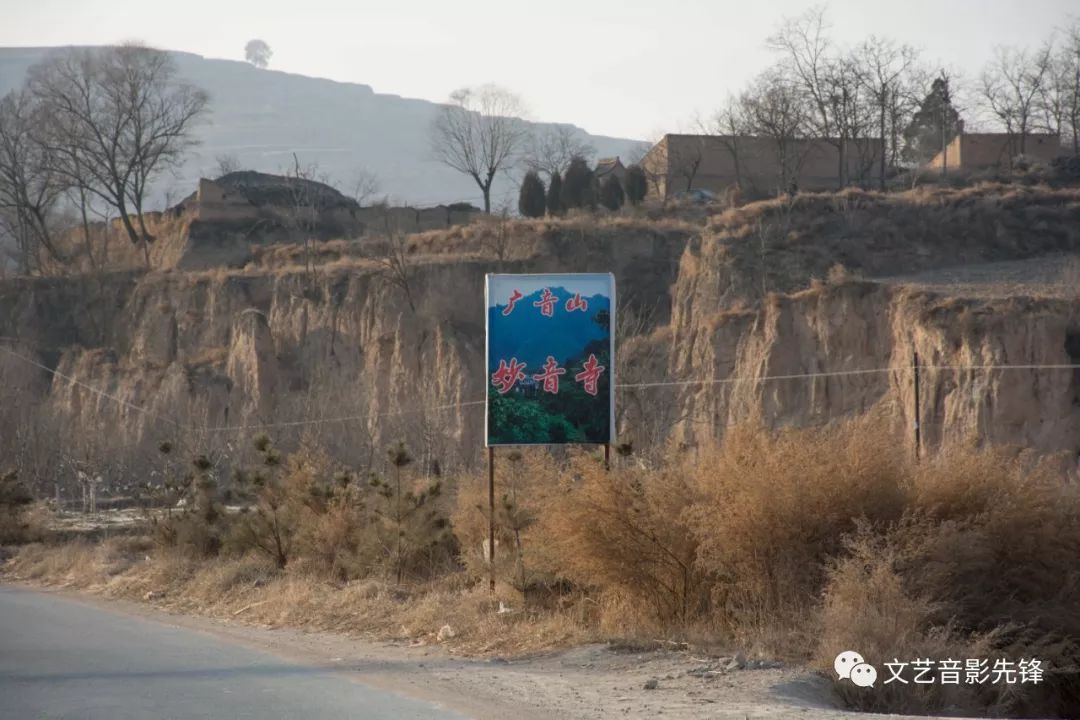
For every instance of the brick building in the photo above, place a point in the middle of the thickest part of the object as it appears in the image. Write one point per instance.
(759, 165)
(984, 151)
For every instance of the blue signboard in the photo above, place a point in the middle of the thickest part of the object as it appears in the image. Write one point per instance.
(550, 359)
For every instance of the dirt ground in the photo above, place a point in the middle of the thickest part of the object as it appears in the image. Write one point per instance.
(591, 681)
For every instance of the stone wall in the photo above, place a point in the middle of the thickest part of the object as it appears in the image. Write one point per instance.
(757, 164)
(985, 151)
(214, 203)
(376, 220)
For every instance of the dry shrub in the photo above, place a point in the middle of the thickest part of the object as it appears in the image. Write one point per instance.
(282, 494)
(985, 564)
(413, 536)
(306, 509)
(21, 521)
(337, 542)
(623, 532)
(774, 508)
(524, 481)
(868, 608)
(194, 522)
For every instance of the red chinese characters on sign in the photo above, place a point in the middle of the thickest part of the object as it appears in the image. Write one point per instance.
(550, 376)
(546, 303)
(590, 374)
(514, 297)
(507, 375)
(577, 303)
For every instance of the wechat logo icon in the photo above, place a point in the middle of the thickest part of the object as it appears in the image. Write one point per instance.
(850, 665)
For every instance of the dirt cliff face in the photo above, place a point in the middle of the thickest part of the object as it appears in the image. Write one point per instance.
(739, 315)
(342, 352)
(859, 340)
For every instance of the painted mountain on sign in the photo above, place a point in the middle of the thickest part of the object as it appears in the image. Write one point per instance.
(530, 336)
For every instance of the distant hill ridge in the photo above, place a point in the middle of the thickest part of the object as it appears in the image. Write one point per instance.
(262, 117)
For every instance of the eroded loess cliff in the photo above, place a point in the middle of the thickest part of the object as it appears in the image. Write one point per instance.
(718, 323)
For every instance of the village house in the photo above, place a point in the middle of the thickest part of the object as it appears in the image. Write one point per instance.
(610, 166)
(249, 196)
(757, 165)
(972, 152)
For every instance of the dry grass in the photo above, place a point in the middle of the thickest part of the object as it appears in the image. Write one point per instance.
(983, 565)
(773, 509)
(887, 234)
(795, 544)
(21, 520)
(252, 589)
(624, 533)
(524, 484)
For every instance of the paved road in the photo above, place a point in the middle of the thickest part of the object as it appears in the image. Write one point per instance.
(60, 658)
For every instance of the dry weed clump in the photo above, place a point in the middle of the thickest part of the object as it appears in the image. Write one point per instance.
(868, 606)
(802, 543)
(773, 508)
(626, 533)
(306, 510)
(984, 564)
(523, 485)
(81, 563)
(21, 521)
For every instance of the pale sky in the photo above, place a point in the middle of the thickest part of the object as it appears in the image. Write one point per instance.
(629, 68)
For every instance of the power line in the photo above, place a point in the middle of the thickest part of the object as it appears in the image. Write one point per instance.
(90, 388)
(472, 403)
(346, 418)
(765, 378)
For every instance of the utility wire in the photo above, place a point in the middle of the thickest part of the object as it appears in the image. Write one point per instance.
(472, 403)
(90, 388)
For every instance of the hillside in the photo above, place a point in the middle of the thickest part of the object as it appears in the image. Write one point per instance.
(343, 353)
(264, 116)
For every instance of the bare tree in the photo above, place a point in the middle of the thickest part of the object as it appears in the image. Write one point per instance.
(225, 163)
(685, 159)
(395, 265)
(365, 185)
(853, 117)
(829, 81)
(807, 58)
(29, 187)
(774, 109)
(161, 113)
(1011, 87)
(478, 133)
(306, 205)
(82, 198)
(730, 125)
(1058, 106)
(882, 67)
(258, 53)
(1068, 68)
(497, 240)
(549, 150)
(113, 120)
